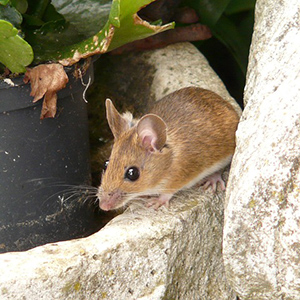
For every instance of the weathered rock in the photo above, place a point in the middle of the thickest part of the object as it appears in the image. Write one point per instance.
(141, 254)
(262, 210)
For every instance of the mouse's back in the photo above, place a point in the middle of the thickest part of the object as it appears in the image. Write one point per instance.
(200, 130)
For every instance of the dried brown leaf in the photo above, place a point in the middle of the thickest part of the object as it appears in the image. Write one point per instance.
(46, 80)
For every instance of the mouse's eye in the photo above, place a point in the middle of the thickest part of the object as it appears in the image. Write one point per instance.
(105, 165)
(132, 174)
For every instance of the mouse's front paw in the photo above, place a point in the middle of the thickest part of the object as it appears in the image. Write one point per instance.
(213, 180)
(163, 199)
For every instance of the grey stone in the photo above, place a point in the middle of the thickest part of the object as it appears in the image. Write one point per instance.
(262, 210)
(141, 254)
(144, 254)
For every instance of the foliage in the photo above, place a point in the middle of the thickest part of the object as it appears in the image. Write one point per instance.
(14, 51)
(231, 22)
(68, 30)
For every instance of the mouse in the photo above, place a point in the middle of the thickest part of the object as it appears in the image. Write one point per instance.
(187, 138)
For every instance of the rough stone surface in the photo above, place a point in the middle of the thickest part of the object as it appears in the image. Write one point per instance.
(262, 210)
(179, 72)
(143, 253)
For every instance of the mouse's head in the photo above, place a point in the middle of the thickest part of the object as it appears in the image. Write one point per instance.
(138, 158)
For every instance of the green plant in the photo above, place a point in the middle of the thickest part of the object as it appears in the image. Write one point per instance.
(231, 22)
(36, 31)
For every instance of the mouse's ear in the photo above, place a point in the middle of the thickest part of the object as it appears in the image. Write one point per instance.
(116, 122)
(152, 131)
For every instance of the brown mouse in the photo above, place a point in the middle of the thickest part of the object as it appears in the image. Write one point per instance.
(187, 138)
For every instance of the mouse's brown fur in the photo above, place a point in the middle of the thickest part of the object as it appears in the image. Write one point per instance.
(189, 135)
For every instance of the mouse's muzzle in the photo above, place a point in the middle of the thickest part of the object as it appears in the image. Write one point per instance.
(109, 200)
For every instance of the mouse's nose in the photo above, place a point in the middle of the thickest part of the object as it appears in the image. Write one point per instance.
(109, 200)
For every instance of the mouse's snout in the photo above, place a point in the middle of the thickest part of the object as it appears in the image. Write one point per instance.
(109, 200)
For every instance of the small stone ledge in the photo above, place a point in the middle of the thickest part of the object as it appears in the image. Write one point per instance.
(141, 254)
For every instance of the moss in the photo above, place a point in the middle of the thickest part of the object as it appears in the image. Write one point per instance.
(71, 287)
(110, 272)
(252, 203)
(281, 197)
(77, 286)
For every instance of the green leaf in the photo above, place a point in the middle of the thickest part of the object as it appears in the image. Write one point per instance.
(114, 14)
(51, 14)
(131, 26)
(237, 6)
(122, 26)
(210, 11)
(52, 37)
(231, 22)
(11, 15)
(4, 2)
(226, 31)
(15, 53)
(38, 8)
(20, 5)
(33, 20)
(87, 16)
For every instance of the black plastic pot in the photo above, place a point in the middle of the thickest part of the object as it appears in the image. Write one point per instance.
(42, 163)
